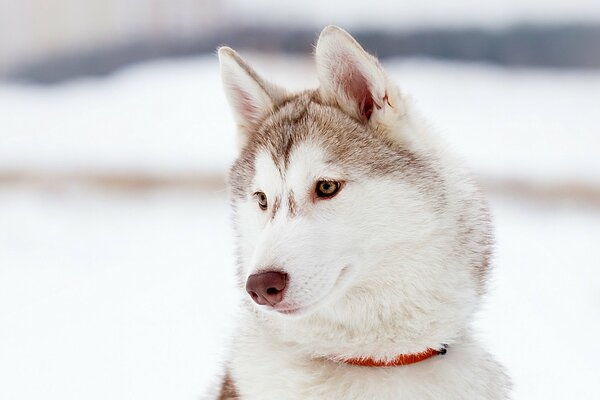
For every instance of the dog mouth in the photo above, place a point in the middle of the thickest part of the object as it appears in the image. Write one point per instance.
(289, 311)
(293, 310)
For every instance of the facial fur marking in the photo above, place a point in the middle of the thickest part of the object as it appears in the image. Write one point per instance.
(292, 207)
(276, 205)
(288, 149)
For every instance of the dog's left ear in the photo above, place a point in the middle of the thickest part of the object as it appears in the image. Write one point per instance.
(349, 75)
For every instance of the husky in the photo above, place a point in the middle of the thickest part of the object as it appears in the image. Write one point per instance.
(363, 245)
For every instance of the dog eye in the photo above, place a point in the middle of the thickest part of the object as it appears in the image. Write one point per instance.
(327, 189)
(262, 200)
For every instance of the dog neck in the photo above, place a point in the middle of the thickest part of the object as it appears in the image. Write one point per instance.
(373, 325)
(377, 341)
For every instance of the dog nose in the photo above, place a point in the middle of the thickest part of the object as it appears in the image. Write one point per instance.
(266, 287)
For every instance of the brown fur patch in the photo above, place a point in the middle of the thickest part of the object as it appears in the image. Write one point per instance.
(292, 208)
(353, 145)
(228, 389)
(276, 205)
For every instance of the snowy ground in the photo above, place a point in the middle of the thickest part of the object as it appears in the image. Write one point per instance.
(129, 294)
(112, 297)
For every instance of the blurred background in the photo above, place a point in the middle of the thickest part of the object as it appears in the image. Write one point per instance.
(116, 266)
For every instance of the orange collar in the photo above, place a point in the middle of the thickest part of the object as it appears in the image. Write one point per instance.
(402, 359)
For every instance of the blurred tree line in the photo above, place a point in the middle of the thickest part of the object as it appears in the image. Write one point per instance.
(564, 46)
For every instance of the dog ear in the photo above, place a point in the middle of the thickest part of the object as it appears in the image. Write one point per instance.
(349, 75)
(251, 98)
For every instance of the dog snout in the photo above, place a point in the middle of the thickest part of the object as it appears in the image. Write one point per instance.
(266, 288)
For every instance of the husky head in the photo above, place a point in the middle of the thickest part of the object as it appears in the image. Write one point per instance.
(353, 224)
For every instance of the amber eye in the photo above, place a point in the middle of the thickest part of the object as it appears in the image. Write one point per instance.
(262, 200)
(327, 188)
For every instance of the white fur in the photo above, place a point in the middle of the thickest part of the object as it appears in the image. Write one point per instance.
(376, 271)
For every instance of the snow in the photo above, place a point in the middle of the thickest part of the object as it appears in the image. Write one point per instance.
(542, 318)
(131, 294)
(113, 297)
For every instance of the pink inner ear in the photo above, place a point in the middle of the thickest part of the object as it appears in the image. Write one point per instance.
(246, 105)
(355, 85)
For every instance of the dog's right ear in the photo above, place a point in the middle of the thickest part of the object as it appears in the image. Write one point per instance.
(251, 98)
(349, 76)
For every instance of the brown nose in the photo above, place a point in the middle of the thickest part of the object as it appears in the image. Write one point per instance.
(266, 287)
